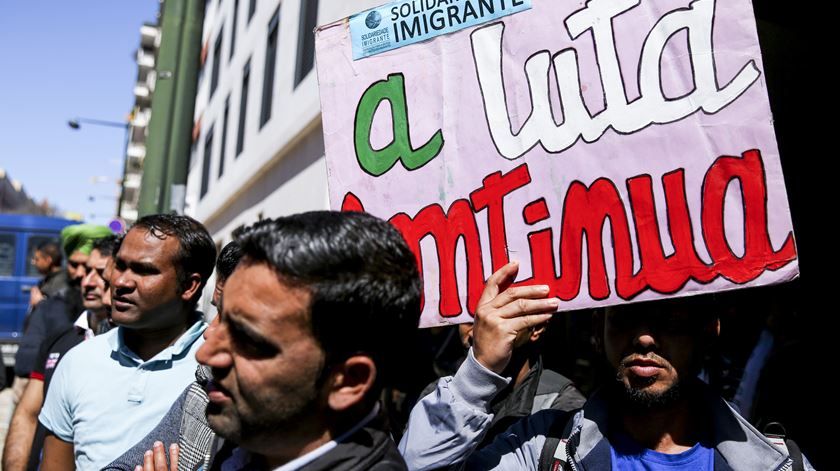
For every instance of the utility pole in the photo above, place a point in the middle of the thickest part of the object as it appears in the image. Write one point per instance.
(173, 105)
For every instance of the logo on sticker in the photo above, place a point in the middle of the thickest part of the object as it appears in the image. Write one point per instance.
(373, 19)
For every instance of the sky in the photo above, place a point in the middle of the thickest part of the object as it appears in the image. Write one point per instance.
(60, 60)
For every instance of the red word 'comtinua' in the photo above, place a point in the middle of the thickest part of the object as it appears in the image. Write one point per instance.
(585, 211)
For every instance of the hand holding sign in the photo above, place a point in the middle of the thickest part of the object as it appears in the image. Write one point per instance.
(505, 315)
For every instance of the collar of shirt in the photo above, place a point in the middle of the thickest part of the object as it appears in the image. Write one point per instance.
(181, 345)
(83, 324)
(240, 458)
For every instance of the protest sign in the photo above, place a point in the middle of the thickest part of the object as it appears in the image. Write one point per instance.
(621, 150)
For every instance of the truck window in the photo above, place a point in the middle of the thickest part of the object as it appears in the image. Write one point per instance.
(7, 254)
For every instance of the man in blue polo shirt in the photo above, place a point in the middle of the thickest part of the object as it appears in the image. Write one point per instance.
(109, 392)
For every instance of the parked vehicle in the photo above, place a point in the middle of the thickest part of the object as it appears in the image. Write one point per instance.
(20, 235)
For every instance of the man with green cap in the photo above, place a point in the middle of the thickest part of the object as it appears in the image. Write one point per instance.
(77, 241)
(56, 313)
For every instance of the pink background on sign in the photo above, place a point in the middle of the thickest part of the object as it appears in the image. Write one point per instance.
(442, 93)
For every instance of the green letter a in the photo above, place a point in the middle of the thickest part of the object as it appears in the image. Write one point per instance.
(378, 161)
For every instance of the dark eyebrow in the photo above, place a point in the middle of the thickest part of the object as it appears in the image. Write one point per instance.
(136, 266)
(246, 332)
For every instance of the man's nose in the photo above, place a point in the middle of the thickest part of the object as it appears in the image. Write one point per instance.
(120, 280)
(644, 340)
(215, 352)
(87, 280)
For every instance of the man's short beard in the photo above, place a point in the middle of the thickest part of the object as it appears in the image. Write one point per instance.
(640, 399)
(264, 416)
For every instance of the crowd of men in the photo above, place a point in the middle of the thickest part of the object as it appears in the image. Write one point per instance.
(316, 316)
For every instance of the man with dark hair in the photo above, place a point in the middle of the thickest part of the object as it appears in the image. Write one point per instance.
(225, 264)
(47, 260)
(110, 391)
(26, 435)
(657, 414)
(310, 329)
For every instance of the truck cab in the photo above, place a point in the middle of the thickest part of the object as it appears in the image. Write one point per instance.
(20, 235)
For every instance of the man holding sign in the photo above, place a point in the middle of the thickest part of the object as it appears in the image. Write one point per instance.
(623, 150)
(656, 415)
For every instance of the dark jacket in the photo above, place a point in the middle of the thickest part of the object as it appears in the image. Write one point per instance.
(49, 318)
(54, 283)
(369, 448)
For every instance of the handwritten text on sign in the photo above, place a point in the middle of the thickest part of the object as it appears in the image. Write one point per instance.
(621, 150)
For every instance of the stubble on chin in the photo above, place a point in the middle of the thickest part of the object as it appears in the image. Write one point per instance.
(223, 422)
(640, 394)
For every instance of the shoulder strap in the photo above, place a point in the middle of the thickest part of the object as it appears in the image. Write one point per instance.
(795, 455)
(551, 381)
(553, 454)
(787, 445)
(550, 388)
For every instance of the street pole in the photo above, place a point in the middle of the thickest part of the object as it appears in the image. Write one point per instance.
(183, 109)
(160, 123)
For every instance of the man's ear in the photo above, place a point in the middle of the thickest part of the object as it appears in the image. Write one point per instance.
(537, 331)
(191, 286)
(217, 291)
(351, 382)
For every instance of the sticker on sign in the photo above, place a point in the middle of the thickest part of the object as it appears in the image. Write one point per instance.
(407, 22)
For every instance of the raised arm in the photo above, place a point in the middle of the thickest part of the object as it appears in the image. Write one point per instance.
(445, 426)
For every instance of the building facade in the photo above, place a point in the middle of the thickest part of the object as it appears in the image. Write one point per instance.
(139, 122)
(258, 148)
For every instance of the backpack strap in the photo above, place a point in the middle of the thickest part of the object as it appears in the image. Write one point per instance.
(785, 444)
(553, 454)
(795, 455)
(550, 390)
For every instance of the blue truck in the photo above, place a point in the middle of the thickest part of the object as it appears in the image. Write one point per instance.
(20, 235)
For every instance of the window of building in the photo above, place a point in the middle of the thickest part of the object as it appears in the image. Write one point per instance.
(205, 167)
(268, 74)
(252, 7)
(217, 60)
(223, 152)
(233, 27)
(306, 39)
(243, 108)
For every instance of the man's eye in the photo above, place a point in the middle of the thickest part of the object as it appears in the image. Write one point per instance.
(249, 347)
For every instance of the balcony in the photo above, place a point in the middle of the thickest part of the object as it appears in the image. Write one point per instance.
(129, 214)
(136, 150)
(145, 59)
(149, 36)
(132, 180)
(140, 118)
(142, 94)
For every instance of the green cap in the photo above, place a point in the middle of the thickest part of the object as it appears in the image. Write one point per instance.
(80, 237)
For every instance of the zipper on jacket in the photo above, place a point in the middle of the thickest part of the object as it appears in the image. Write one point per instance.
(787, 465)
(570, 451)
